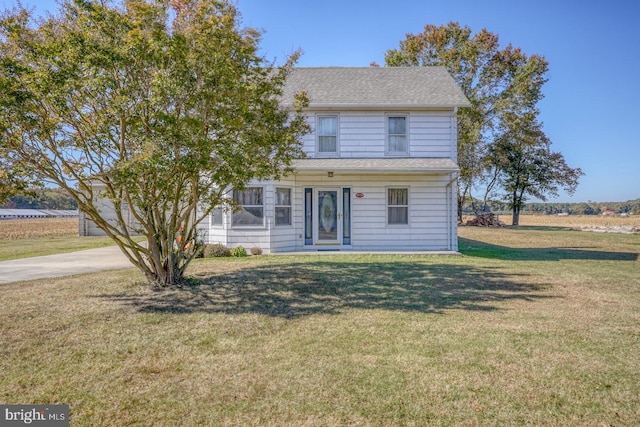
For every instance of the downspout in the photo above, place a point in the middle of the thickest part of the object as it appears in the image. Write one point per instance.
(454, 135)
(452, 205)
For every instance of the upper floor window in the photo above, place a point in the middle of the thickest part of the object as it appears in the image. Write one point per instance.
(397, 206)
(397, 134)
(283, 206)
(251, 205)
(327, 134)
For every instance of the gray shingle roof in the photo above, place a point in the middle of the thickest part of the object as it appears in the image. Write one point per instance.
(378, 165)
(375, 87)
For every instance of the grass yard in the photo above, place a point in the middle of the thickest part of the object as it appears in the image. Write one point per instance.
(23, 248)
(532, 326)
(22, 238)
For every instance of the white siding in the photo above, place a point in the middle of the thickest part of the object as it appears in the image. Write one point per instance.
(362, 134)
(429, 211)
(427, 215)
(430, 215)
(268, 237)
(107, 211)
(282, 237)
(218, 234)
(249, 237)
(430, 134)
(309, 140)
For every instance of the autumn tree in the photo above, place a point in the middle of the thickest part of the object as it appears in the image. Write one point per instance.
(495, 80)
(159, 107)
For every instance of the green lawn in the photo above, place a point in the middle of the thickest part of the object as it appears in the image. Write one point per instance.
(24, 248)
(532, 326)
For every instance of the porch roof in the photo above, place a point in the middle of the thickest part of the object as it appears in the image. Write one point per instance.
(378, 165)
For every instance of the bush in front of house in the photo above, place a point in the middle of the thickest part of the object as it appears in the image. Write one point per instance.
(238, 251)
(216, 250)
(255, 251)
(200, 252)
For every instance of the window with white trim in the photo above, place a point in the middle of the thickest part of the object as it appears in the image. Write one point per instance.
(397, 135)
(251, 203)
(327, 134)
(216, 217)
(283, 206)
(397, 206)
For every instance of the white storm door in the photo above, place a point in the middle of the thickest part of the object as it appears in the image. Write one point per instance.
(328, 217)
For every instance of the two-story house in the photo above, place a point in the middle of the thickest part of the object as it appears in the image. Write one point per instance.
(380, 171)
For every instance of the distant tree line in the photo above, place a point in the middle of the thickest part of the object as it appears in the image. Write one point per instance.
(42, 198)
(631, 207)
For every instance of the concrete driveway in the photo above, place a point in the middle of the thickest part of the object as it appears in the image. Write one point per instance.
(87, 261)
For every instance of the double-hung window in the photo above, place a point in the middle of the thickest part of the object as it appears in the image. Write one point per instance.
(251, 204)
(283, 206)
(397, 135)
(327, 134)
(216, 217)
(397, 206)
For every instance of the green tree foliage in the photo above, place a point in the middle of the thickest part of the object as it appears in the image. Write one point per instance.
(525, 165)
(15, 180)
(631, 207)
(159, 107)
(497, 81)
(12, 182)
(42, 198)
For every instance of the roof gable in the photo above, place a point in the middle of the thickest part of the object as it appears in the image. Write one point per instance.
(375, 87)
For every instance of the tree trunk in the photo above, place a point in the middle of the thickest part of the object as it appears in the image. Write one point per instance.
(163, 265)
(490, 185)
(461, 197)
(515, 218)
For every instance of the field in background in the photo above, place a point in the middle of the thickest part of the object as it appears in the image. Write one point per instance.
(28, 228)
(572, 220)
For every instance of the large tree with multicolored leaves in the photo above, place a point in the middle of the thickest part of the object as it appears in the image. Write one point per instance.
(500, 82)
(159, 107)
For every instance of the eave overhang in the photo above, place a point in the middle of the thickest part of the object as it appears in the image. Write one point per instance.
(376, 165)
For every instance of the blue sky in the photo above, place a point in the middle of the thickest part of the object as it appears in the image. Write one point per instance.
(591, 109)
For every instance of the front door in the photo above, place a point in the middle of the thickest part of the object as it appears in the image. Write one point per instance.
(328, 224)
